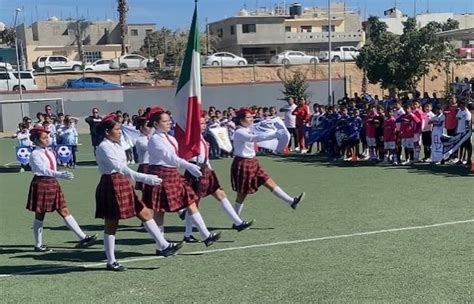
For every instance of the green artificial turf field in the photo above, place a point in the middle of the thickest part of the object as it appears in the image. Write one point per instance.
(363, 234)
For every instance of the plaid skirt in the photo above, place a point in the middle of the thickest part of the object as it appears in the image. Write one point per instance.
(206, 185)
(142, 168)
(115, 198)
(174, 193)
(247, 175)
(45, 195)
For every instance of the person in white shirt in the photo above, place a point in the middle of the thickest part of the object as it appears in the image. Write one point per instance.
(207, 185)
(45, 194)
(67, 135)
(115, 197)
(175, 193)
(141, 146)
(437, 121)
(464, 118)
(246, 173)
(426, 130)
(23, 136)
(290, 121)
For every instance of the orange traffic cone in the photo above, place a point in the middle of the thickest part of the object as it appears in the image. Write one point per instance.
(286, 150)
(354, 155)
(472, 167)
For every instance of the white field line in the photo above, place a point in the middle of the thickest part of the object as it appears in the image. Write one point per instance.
(332, 237)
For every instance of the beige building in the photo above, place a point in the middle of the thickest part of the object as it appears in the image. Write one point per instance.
(101, 39)
(261, 34)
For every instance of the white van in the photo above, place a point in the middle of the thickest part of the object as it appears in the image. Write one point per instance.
(9, 81)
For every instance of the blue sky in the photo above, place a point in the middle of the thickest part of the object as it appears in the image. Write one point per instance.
(177, 13)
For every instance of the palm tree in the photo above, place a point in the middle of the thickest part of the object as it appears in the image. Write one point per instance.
(122, 10)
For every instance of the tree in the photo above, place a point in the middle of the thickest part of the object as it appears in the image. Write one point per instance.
(398, 62)
(7, 36)
(296, 86)
(78, 28)
(122, 9)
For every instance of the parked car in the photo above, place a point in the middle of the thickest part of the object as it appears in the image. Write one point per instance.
(136, 84)
(342, 53)
(65, 85)
(224, 59)
(294, 57)
(131, 61)
(9, 81)
(91, 82)
(5, 66)
(56, 63)
(465, 50)
(99, 65)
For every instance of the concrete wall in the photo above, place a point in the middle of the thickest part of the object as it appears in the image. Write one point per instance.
(80, 103)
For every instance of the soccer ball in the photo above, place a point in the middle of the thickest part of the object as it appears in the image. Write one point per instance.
(64, 152)
(23, 153)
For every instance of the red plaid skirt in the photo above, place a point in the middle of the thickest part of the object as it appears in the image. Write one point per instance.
(45, 195)
(247, 175)
(206, 185)
(115, 198)
(142, 168)
(174, 193)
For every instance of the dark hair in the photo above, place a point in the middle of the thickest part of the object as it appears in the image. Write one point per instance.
(106, 125)
(139, 123)
(155, 117)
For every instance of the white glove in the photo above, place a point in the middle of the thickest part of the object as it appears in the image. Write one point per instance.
(195, 170)
(65, 175)
(152, 180)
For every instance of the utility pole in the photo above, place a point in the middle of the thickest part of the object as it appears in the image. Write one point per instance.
(122, 9)
(207, 36)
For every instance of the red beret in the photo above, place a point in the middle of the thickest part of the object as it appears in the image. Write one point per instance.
(111, 116)
(153, 111)
(240, 113)
(38, 130)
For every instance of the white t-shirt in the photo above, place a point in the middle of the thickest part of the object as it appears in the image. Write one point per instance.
(290, 119)
(464, 120)
(438, 123)
(425, 123)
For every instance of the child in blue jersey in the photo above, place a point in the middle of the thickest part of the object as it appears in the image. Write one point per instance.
(67, 135)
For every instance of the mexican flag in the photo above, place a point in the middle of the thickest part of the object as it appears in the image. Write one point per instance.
(188, 97)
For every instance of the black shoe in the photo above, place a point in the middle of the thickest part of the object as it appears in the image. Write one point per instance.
(42, 248)
(170, 250)
(182, 215)
(213, 237)
(88, 241)
(243, 226)
(297, 200)
(115, 266)
(190, 239)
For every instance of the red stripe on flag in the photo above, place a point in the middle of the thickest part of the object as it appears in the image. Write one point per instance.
(189, 139)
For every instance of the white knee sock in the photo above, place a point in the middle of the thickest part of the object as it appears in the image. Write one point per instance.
(74, 227)
(188, 231)
(278, 192)
(109, 244)
(201, 226)
(238, 208)
(231, 213)
(38, 232)
(155, 232)
(162, 229)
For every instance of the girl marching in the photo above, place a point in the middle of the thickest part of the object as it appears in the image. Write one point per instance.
(45, 194)
(115, 197)
(175, 193)
(141, 146)
(246, 173)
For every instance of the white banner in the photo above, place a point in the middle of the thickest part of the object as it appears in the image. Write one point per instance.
(274, 124)
(443, 146)
(221, 134)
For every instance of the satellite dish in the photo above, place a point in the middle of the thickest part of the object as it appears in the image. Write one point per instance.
(2, 26)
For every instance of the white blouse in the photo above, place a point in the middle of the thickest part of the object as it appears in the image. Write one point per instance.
(244, 141)
(203, 157)
(111, 158)
(43, 162)
(142, 149)
(163, 150)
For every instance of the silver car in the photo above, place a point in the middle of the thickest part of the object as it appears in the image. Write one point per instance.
(224, 59)
(294, 57)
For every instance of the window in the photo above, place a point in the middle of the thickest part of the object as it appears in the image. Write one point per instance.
(4, 76)
(220, 33)
(306, 28)
(325, 28)
(149, 32)
(133, 32)
(232, 29)
(288, 29)
(248, 28)
(92, 56)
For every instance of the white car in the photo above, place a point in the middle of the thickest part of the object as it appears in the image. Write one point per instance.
(56, 63)
(131, 61)
(342, 53)
(99, 65)
(224, 59)
(9, 81)
(5, 66)
(294, 57)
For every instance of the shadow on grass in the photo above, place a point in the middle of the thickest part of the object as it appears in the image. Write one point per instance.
(42, 269)
(88, 256)
(86, 163)
(420, 168)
